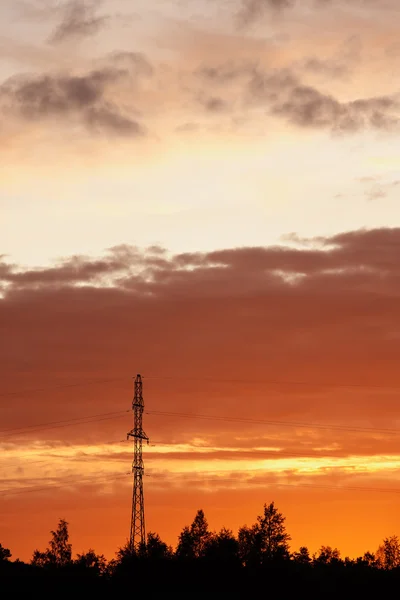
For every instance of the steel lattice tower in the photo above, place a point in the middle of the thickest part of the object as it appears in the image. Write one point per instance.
(138, 530)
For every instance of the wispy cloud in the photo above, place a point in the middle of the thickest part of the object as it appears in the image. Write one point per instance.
(80, 20)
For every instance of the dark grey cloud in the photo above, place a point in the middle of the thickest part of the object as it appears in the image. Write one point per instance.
(227, 72)
(69, 96)
(251, 10)
(308, 107)
(135, 62)
(328, 67)
(80, 20)
(284, 95)
(366, 253)
(339, 64)
(81, 269)
(109, 118)
(213, 104)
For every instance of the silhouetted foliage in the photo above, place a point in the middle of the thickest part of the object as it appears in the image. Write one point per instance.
(125, 552)
(96, 563)
(327, 556)
(302, 557)
(124, 561)
(222, 547)
(155, 548)
(207, 564)
(60, 551)
(388, 555)
(367, 560)
(193, 540)
(266, 540)
(5, 553)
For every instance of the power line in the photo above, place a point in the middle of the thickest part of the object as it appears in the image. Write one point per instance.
(90, 382)
(205, 481)
(277, 455)
(74, 482)
(65, 420)
(274, 423)
(28, 463)
(275, 382)
(306, 485)
(65, 423)
(119, 414)
(30, 391)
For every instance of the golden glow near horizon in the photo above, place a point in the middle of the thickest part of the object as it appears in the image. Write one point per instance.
(58, 463)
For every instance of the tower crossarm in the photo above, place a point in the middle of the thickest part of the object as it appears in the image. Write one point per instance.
(141, 436)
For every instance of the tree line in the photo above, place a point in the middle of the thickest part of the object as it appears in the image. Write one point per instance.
(204, 558)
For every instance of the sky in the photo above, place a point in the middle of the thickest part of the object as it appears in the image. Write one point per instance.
(205, 193)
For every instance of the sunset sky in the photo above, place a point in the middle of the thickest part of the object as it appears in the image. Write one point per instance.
(206, 193)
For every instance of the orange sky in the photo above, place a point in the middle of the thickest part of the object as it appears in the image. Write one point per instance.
(218, 335)
(201, 194)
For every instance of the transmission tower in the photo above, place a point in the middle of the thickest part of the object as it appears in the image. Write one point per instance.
(138, 531)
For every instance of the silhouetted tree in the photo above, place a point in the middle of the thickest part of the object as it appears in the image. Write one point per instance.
(60, 551)
(367, 560)
(302, 557)
(216, 563)
(124, 560)
(193, 540)
(60, 547)
(185, 547)
(222, 547)
(5, 553)
(249, 551)
(388, 555)
(125, 552)
(97, 563)
(327, 556)
(266, 540)
(155, 548)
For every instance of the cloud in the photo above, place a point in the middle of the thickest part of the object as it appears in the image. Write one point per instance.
(263, 313)
(328, 67)
(378, 189)
(267, 268)
(135, 62)
(227, 72)
(306, 106)
(212, 104)
(284, 95)
(251, 10)
(65, 96)
(79, 20)
(337, 65)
